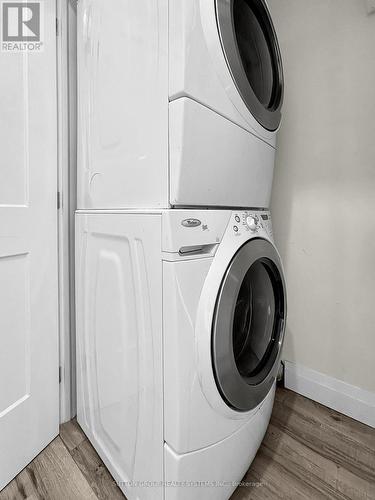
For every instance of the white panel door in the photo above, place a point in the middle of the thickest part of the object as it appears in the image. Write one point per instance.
(29, 388)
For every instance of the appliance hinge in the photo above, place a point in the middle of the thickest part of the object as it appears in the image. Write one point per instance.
(60, 374)
(59, 200)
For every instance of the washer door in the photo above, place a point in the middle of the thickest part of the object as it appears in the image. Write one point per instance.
(252, 53)
(248, 326)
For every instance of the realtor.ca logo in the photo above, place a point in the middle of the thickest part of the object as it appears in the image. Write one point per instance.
(22, 26)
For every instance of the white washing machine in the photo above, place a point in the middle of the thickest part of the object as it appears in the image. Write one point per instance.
(179, 103)
(180, 325)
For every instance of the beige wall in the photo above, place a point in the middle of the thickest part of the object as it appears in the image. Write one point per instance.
(324, 190)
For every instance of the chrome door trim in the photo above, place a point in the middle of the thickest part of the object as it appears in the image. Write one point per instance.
(238, 393)
(269, 118)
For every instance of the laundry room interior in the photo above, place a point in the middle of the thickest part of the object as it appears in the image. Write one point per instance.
(187, 278)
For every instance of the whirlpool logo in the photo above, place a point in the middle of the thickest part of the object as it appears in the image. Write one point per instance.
(22, 26)
(191, 222)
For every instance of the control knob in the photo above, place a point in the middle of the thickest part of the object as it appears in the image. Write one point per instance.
(252, 223)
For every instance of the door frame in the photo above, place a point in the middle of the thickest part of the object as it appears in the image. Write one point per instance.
(67, 187)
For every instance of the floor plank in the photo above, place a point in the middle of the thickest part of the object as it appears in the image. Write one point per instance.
(53, 475)
(95, 472)
(71, 434)
(309, 453)
(339, 441)
(89, 462)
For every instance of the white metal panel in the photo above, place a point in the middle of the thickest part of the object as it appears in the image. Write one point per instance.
(29, 387)
(214, 162)
(123, 103)
(119, 340)
(190, 422)
(198, 68)
(192, 70)
(209, 232)
(219, 468)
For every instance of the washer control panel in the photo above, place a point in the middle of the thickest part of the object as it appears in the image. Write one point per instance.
(251, 222)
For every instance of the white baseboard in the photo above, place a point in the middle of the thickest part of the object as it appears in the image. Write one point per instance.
(347, 399)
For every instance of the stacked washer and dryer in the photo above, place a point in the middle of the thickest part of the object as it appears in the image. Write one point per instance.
(181, 300)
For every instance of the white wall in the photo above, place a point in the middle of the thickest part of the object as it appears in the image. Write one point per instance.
(324, 191)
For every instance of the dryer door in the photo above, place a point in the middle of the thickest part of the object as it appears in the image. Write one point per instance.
(252, 53)
(248, 326)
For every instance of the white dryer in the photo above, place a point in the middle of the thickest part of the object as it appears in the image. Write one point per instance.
(179, 103)
(225, 55)
(180, 325)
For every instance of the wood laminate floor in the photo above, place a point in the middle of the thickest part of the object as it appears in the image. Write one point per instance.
(309, 452)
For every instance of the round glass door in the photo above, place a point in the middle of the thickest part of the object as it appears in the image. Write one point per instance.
(248, 325)
(252, 53)
(253, 321)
